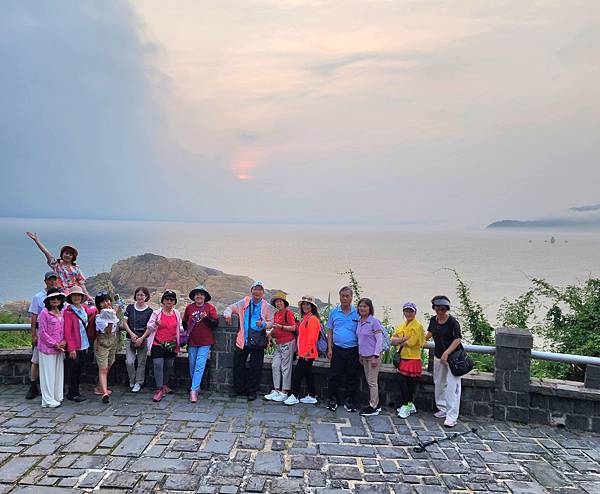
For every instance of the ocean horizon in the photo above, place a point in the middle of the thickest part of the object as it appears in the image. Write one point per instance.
(392, 263)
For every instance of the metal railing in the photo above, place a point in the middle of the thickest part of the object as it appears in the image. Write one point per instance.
(564, 358)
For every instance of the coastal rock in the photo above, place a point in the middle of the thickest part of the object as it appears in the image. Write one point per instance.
(159, 273)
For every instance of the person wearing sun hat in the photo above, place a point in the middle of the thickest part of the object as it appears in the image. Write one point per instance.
(76, 316)
(199, 320)
(51, 344)
(308, 334)
(69, 272)
(445, 330)
(409, 338)
(255, 318)
(35, 308)
(284, 333)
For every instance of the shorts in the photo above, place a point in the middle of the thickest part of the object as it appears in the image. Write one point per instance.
(105, 348)
(35, 355)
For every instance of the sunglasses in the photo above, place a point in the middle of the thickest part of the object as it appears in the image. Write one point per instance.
(102, 294)
(169, 299)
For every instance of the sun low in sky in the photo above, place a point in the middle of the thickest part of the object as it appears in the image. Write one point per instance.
(336, 111)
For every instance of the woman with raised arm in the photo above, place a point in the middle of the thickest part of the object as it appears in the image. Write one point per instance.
(69, 272)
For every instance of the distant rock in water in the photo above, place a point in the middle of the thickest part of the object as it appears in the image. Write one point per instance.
(159, 273)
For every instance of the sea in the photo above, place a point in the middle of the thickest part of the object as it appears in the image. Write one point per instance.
(392, 264)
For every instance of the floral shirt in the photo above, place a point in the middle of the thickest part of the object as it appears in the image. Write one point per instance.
(69, 276)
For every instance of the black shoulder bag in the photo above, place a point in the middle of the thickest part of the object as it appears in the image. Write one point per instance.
(257, 339)
(459, 362)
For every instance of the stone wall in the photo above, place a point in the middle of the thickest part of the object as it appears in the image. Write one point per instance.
(508, 394)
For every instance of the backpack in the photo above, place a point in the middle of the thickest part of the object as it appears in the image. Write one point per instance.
(322, 345)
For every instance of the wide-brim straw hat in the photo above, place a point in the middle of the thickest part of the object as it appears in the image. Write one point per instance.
(200, 289)
(280, 296)
(308, 298)
(76, 290)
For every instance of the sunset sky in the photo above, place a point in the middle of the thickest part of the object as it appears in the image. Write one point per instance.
(426, 112)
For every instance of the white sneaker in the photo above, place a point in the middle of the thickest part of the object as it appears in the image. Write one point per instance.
(281, 396)
(291, 400)
(440, 414)
(272, 395)
(449, 422)
(136, 388)
(404, 412)
(309, 400)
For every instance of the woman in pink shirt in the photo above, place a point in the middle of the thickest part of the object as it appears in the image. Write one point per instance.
(51, 345)
(163, 342)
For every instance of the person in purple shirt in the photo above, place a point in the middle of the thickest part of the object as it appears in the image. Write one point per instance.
(370, 341)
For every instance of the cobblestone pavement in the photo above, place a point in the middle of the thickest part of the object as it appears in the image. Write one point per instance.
(222, 445)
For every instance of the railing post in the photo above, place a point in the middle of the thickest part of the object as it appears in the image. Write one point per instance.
(512, 373)
(592, 376)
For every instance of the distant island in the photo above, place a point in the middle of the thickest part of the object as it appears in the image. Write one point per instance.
(587, 217)
(548, 223)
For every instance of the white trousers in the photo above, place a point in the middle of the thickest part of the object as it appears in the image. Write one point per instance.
(52, 373)
(447, 389)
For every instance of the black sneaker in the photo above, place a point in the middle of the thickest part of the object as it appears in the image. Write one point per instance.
(369, 411)
(33, 391)
(105, 399)
(349, 406)
(332, 405)
(77, 398)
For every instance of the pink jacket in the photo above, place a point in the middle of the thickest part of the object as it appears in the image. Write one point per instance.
(52, 331)
(239, 308)
(153, 327)
(72, 334)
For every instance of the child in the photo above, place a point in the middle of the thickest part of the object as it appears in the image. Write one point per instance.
(51, 345)
(308, 334)
(409, 337)
(65, 266)
(105, 344)
(284, 332)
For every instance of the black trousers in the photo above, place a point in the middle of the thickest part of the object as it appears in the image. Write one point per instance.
(303, 370)
(75, 366)
(407, 388)
(344, 364)
(247, 381)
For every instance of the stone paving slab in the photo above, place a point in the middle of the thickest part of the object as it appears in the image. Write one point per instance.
(222, 445)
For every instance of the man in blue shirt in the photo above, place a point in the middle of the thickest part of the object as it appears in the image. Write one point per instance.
(255, 318)
(342, 352)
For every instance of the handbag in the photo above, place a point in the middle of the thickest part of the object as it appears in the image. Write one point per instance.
(257, 339)
(459, 362)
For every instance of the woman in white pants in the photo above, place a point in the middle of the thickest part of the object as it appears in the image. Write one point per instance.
(51, 346)
(445, 331)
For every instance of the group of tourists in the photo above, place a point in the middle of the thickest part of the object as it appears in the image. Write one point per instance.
(64, 326)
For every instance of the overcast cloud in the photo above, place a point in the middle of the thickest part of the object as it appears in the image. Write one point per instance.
(308, 111)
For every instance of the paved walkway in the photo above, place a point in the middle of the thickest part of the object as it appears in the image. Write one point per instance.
(222, 445)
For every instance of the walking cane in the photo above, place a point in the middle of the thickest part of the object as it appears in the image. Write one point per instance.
(422, 447)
